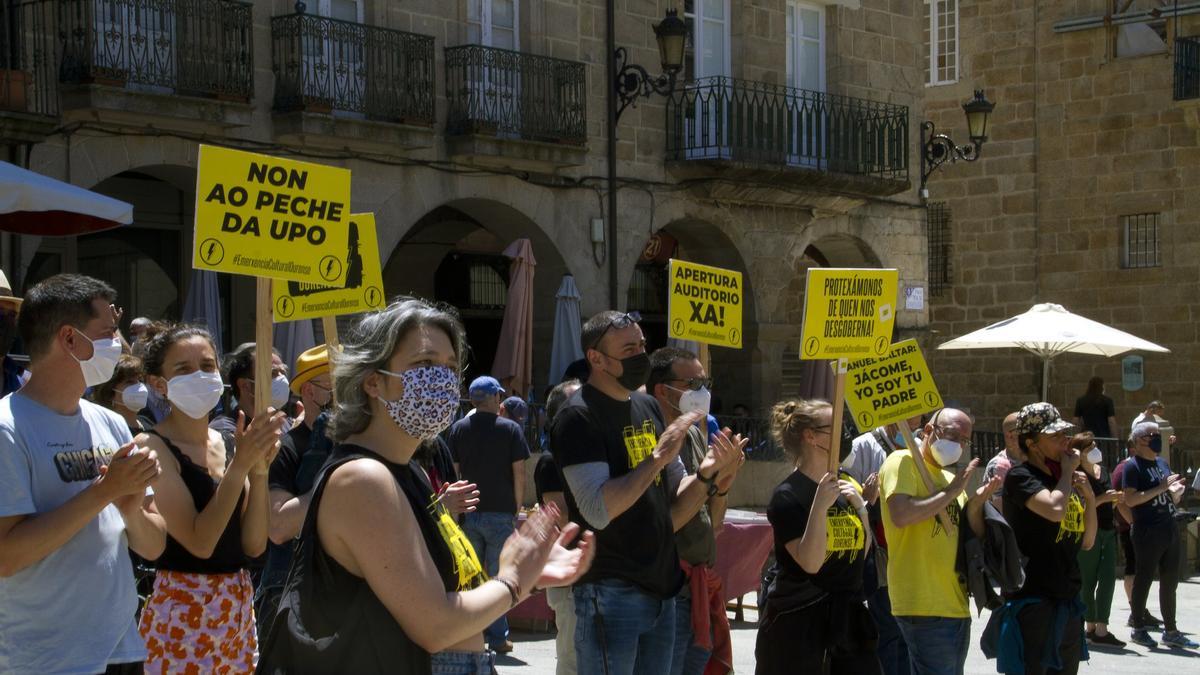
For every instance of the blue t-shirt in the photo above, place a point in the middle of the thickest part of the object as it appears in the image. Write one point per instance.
(72, 611)
(1143, 474)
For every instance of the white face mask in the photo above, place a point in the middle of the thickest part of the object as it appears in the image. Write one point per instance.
(1094, 455)
(135, 396)
(946, 452)
(100, 367)
(195, 394)
(279, 392)
(695, 400)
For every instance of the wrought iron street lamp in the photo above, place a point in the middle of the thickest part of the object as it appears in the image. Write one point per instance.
(627, 83)
(937, 149)
(633, 82)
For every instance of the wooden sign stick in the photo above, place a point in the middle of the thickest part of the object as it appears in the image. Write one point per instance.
(919, 458)
(329, 326)
(262, 346)
(838, 402)
(332, 344)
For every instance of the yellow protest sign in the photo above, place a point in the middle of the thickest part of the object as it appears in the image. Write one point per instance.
(363, 291)
(890, 389)
(848, 313)
(266, 216)
(705, 304)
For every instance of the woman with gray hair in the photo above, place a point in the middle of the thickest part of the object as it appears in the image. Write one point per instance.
(384, 578)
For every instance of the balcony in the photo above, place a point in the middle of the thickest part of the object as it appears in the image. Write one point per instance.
(514, 109)
(28, 88)
(339, 82)
(799, 138)
(126, 60)
(1187, 68)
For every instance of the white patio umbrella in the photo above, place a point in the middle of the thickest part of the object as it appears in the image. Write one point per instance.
(33, 204)
(565, 348)
(1048, 330)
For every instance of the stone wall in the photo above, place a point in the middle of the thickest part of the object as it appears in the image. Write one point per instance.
(1079, 138)
(871, 52)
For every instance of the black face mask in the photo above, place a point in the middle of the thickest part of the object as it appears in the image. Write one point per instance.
(635, 370)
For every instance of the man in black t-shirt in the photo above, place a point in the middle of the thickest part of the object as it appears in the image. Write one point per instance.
(615, 456)
(490, 451)
(291, 478)
(679, 383)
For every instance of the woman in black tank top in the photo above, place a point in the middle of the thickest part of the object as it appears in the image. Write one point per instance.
(383, 578)
(200, 614)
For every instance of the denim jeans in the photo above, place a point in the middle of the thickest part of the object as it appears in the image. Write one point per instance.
(892, 652)
(464, 663)
(619, 623)
(688, 658)
(487, 532)
(937, 645)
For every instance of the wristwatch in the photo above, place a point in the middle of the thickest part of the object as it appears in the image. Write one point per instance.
(711, 482)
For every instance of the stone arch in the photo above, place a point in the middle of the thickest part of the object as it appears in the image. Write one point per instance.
(734, 371)
(837, 249)
(452, 241)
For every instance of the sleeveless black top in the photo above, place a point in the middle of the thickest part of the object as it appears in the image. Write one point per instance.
(329, 620)
(227, 557)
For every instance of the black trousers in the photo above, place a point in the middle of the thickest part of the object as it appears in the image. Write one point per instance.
(1037, 626)
(1157, 548)
(803, 641)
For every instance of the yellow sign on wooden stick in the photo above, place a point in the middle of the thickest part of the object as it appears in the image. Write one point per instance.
(266, 216)
(705, 304)
(891, 389)
(849, 313)
(363, 291)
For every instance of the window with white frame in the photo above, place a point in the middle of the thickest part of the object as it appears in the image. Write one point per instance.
(805, 46)
(707, 49)
(941, 41)
(1140, 234)
(493, 23)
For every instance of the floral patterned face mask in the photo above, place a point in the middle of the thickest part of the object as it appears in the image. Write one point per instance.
(428, 403)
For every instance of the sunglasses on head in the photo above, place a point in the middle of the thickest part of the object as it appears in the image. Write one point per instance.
(618, 322)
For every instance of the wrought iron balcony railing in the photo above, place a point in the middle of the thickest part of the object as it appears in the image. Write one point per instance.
(324, 64)
(28, 77)
(506, 93)
(726, 118)
(193, 47)
(1187, 67)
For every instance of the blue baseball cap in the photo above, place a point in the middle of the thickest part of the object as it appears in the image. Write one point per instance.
(518, 410)
(485, 385)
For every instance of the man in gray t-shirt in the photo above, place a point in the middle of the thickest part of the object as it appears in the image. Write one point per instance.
(72, 495)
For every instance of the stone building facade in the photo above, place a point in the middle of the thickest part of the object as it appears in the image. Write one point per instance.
(471, 123)
(1085, 195)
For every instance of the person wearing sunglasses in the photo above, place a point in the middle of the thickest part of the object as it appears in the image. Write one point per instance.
(618, 457)
(1152, 492)
(679, 384)
(929, 599)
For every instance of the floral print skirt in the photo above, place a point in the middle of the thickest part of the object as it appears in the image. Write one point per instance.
(200, 623)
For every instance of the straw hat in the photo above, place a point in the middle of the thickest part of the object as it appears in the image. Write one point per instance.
(6, 291)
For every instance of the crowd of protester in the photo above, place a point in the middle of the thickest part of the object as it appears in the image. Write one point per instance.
(351, 524)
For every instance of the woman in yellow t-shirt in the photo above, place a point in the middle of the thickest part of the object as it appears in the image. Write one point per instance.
(815, 619)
